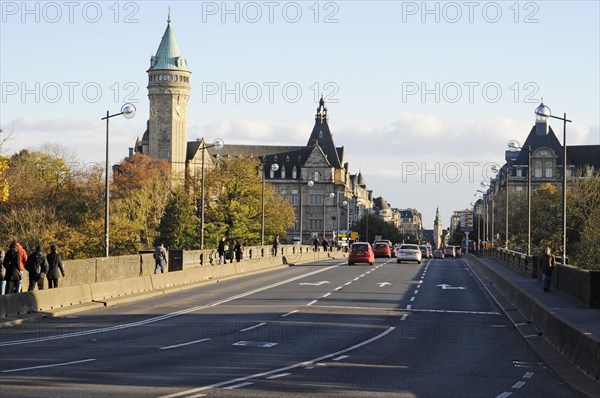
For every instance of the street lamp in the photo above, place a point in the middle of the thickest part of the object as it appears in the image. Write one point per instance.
(542, 113)
(218, 145)
(513, 145)
(331, 195)
(485, 184)
(310, 183)
(274, 168)
(128, 111)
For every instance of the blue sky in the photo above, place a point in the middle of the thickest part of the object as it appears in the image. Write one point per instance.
(424, 97)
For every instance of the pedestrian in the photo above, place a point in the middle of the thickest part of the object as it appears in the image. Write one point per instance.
(316, 244)
(55, 266)
(548, 265)
(231, 251)
(325, 244)
(23, 256)
(160, 258)
(238, 251)
(12, 265)
(275, 245)
(2, 272)
(37, 266)
(221, 250)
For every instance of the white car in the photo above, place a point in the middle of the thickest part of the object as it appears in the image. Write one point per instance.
(408, 252)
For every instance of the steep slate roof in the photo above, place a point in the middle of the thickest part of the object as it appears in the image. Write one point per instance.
(322, 135)
(168, 56)
(537, 141)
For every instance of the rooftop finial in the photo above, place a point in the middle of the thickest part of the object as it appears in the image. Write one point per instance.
(169, 16)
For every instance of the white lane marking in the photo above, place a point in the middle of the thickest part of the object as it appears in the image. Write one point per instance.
(164, 316)
(326, 295)
(531, 335)
(412, 298)
(253, 327)
(306, 364)
(338, 288)
(404, 317)
(504, 395)
(528, 375)
(408, 307)
(289, 313)
(197, 396)
(278, 376)
(340, 357)
(47, 366)
(312, 302)
(309, 367)
(248, 383)
(416, 291)
(184, 344)
(346, 284)
(519, 384)
(313, 283)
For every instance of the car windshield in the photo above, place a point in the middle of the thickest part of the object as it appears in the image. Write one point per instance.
(380, 245)
(361, 248)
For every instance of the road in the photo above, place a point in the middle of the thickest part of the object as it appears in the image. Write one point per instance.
(326, 329)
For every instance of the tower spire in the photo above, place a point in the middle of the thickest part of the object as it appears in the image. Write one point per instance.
(169, 16)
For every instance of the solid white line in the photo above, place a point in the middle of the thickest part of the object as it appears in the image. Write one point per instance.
(519, 384)
(47, 366)
(253, 327)
(312, 302)
(326, 295)
(197, 396)
(164, 316)
(528, 375)
(307, 364)
(289, 313)
(278, 376)
(238, 385)
(184, 344)
(340, 357)
(504, 395)
(406, 309)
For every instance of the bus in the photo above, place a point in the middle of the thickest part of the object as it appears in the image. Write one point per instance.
(470, 244)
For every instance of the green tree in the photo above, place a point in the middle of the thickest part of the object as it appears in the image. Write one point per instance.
(180, 226)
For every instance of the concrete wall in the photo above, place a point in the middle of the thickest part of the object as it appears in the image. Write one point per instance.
(103, 279)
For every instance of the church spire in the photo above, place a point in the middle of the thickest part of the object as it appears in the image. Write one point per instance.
(322, 135)
(168, 56)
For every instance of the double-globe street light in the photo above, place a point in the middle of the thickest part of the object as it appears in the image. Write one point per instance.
(513, 145)
(542, 113)
(218, 145)
(274, 168)
(128, 112)
(309, 183)
(485, 184)
(331, 195)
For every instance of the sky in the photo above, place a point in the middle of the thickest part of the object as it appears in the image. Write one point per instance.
(423, 96)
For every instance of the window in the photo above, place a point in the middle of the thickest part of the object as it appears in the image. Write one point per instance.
(282, 171)
(315, 176)
(294, 173)
(549, 164)
(295, 197)
(537, 168)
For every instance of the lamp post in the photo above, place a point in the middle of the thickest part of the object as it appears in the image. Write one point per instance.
(331, 195)
(542, 113)
(513, 145)
(310, 183)
(128, 111)
(217, 144)
(485, 184)
(274, 168)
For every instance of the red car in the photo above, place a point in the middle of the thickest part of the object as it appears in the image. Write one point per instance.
(382, 250)
(361, 252)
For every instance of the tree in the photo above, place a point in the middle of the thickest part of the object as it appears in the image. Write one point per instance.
(180, 226)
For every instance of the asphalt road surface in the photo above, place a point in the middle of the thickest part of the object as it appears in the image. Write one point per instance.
(321, 330)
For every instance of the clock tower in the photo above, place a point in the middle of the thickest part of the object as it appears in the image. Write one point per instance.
(169, 92)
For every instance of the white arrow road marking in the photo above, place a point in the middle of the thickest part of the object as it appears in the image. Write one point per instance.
(382, 284)
(450, 287)
(313, 283)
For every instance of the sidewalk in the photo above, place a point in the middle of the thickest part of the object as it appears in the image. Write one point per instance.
(560, 329)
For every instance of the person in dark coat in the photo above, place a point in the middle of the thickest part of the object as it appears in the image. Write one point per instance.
(325, 244)
(238, 251)
(548, 265)
(231, 251)
(12, 265)
(55, 267)
(37, 266)
(221, 250)
(275, 245)
(316, 244)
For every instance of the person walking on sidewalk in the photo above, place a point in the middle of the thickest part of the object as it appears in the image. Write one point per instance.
(55, 267)
(160, 258)
(548, 265)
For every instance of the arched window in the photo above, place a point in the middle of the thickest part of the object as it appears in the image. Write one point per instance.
(283, 172)
(294, 172)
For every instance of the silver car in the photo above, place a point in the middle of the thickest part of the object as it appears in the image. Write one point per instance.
(408, 252)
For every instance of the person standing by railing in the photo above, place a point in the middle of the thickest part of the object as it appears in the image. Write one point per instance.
(548, 265)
